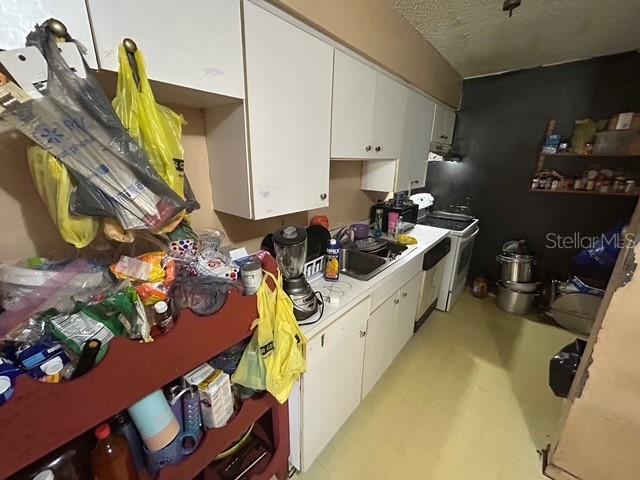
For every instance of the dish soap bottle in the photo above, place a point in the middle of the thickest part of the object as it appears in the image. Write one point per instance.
(111, 458)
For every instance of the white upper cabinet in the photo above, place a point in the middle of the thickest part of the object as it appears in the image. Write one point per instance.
(289, 79)
(354, 93)
(410, 170)
(18, 17)
(418, 122)
(367, 112)
(195, 44)
(443, 125)
(387, 117)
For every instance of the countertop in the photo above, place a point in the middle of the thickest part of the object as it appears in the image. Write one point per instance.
(353, 291)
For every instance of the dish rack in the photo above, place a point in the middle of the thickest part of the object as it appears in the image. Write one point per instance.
(314, 268)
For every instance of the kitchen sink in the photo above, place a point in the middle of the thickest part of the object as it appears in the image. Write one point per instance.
(361, 265)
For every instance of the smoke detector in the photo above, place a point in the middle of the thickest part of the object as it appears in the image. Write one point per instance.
(510, 5)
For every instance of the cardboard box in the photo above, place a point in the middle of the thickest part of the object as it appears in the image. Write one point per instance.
(624, 121)
(216, 399)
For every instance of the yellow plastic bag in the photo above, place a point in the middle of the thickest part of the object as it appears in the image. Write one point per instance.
(279, 342)
(53, 183)
(156, 128)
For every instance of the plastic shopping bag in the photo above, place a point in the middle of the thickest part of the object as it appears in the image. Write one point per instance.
(275, 358)
(251, 371)
(76, 123)
(282, 343)
(54, 185)
(157, 128)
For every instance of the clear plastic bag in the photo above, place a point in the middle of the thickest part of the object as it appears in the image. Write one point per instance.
(76, 123)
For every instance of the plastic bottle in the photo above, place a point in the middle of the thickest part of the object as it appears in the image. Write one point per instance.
(124, 426)
(45, 475)
(332, 267)
(111, 458)
(164, 317)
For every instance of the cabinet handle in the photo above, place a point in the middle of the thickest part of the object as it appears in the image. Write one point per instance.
(322, 340)
(404, 294)
(446, 137)
(442, 136)
(378, 148)
(323, 196)
(396, 301)
(367, 148)
(362, 333)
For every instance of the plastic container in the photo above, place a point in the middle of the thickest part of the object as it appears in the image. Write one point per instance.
(45, 475)
(155, 421)
(111, 458)
(392, 225)
(251, 277)
(332, 267)
(164, 316)
(618, 142)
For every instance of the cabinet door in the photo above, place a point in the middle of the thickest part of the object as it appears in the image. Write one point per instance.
(387, 117)
(379, 345)
(19, 17)
(408, 296)
(331, 385)
(354, 89)
(195, 44)
(443, 125)
(289, 79)
(418, 123)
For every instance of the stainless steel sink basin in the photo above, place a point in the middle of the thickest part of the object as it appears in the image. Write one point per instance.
(361, 265)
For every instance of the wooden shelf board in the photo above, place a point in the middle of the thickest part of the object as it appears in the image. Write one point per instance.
(588, 155)
(584, 192)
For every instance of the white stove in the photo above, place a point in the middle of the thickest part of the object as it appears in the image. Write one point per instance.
(463, 230)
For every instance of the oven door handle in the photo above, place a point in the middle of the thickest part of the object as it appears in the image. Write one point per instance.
(471, 234)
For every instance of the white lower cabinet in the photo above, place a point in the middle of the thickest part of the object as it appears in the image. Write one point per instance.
(344, 362)
(406, 314)
(389, 328)
(330, 388)
(379, 343)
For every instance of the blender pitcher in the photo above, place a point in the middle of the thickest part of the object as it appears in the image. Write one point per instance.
(290, 244)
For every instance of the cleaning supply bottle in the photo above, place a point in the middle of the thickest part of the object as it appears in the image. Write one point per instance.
(111, 457)
(332, 266)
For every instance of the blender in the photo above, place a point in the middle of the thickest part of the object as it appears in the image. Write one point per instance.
(290, 245)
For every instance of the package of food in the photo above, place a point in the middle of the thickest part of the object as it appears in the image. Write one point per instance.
(216, 399)
(33, 358)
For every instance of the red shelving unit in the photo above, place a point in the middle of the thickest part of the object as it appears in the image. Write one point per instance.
(42, 417)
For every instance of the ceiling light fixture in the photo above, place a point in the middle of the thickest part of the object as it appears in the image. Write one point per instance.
(510, 5)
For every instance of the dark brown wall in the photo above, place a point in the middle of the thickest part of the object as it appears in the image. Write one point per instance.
(499, 130)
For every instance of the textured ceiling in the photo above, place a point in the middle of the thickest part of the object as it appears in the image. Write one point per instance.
(478, 38)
